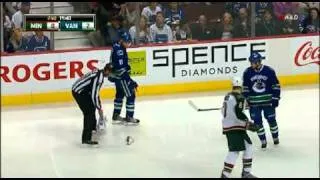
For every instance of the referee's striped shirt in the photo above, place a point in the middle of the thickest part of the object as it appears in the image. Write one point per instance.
(90, 83)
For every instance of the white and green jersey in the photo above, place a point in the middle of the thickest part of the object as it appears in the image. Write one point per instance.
(232, 111)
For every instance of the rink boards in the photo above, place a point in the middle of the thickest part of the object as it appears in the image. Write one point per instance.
(162, 69)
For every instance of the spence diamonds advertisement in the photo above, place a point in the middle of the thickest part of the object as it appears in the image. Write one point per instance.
(204, 61)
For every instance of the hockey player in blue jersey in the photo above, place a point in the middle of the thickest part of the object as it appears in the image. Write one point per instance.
(125, 86)
(262, 91)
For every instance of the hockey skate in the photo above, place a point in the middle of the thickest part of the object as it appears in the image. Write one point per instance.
(264, 146)
(276, 141)
(117, 119)
(131, 121)
(93, 141)
(90, 142)
(247, 175)
(223, 176)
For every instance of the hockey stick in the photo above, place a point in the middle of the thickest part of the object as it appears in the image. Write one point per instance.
(207, 109)
(201, 109)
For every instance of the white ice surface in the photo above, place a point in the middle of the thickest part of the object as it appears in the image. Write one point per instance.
(173, 140)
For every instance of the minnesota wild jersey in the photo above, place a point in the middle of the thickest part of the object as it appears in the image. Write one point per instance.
(233, 116)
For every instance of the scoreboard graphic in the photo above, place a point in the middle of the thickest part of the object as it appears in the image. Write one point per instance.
(59, 22)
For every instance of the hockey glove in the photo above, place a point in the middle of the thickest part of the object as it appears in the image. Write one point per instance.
(275, 103)
(252, 127)
(133, 85)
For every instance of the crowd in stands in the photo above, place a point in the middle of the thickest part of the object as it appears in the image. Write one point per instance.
(15, 39)
(166, 22)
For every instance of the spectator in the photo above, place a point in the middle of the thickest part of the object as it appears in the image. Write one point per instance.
(17, 18)
(313, 5)
(98, 37)
(268, 26)
(16, 5)
(173, 13)
(202, 30)
(140, 34)
(113, 29)
(17, 42)
(182, 31)
(10, 8)
(234, 7)
(160, 32)
(260, 8)
(93, 5)
(38, 42)
(289, 25)
(302, 12)
(280, 9)
(151, 12)
(225, 31)
(311, 23)
(7, 27)
(130, 11)
(242, 25)
(125, 24)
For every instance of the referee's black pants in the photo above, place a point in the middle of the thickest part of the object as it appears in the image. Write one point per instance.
(88, 110)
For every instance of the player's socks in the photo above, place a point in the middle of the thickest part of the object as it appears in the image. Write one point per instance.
(130, 109)
(274, 132)
(262, 136)
(247, 163)
(227, 169)
(117, 106)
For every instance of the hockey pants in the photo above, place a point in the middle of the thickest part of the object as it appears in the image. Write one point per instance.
(269, 114)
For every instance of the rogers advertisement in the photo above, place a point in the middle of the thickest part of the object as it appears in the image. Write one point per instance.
(46, 72)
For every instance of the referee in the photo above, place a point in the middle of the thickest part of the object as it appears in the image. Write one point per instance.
(86, 92)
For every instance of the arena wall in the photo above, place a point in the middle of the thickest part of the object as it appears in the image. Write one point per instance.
(47, 77)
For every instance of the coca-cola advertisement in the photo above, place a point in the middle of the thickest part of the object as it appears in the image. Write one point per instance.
(307, 53)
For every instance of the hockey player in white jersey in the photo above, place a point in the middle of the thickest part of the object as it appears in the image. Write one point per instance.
(235, 123)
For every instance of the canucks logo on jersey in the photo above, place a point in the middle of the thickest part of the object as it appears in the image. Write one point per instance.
(120, 52)
(259, 86)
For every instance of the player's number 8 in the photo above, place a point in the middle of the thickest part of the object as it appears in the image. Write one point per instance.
(120, 61)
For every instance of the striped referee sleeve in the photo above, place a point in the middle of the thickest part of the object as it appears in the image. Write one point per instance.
(83, 82)
(95, 95)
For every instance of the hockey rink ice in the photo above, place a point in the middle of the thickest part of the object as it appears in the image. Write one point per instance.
(173, 140)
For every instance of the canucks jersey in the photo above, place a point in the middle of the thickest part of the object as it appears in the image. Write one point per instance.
(119, 60)
(260, 87)
(232, 111)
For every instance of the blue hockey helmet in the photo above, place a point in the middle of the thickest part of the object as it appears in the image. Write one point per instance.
(255, 57)
(125, 36)
(122, 36)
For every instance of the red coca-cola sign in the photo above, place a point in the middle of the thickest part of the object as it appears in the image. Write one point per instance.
(307, 54)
